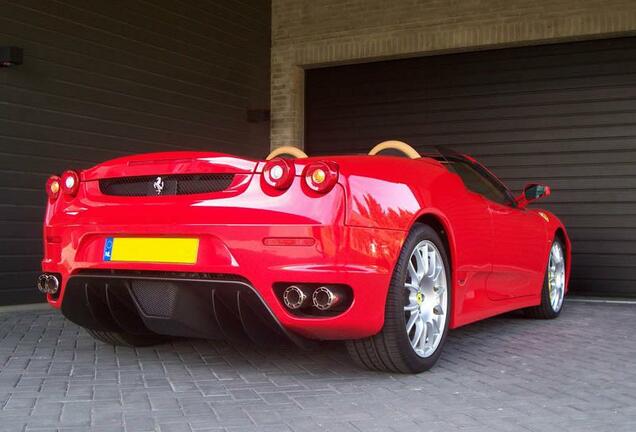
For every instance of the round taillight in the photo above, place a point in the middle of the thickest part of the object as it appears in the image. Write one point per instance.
(70, 182)
(279, 173)
(53, 187)
(321, 176)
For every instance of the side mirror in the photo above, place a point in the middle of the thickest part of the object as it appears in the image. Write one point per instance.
(532, 192)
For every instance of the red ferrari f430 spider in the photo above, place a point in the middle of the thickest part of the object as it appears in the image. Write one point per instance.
(386, 253)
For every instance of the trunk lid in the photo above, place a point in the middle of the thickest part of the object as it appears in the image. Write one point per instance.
(170, 163)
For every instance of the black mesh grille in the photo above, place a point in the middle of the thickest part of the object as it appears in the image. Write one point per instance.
(156, 298)
(182, 184)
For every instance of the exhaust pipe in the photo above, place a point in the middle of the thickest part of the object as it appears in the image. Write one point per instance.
(48, 283)
(42, 283)
(325, 298)
(296, 297)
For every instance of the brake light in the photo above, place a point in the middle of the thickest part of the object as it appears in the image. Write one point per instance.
(321, 177)
(53, 187)
(70, 182)
(279, 173)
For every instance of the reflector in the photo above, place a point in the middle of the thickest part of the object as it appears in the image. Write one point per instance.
(289, 241)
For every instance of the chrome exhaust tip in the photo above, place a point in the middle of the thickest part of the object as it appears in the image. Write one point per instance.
(52, 284)
(48, 283)
(324, 298)
(42, 283)
(295, 297)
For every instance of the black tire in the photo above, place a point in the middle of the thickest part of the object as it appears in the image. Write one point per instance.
(544, 309)
(126, 339)
(390, 350)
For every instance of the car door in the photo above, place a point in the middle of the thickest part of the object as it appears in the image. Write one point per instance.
(520, 243)
(518, 235)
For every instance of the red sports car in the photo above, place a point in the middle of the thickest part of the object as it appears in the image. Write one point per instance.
(385, 252)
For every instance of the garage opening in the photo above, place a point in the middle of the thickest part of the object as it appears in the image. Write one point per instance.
(563, 114)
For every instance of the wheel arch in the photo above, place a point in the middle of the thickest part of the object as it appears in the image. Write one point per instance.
(443, 228)
(440, 226)
(559, 233)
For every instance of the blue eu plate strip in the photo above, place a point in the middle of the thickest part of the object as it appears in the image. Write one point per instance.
(108, 248)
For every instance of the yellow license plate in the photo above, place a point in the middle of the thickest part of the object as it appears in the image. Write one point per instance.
(153, 250)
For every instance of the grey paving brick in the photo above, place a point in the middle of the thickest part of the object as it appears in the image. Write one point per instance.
(576, 373)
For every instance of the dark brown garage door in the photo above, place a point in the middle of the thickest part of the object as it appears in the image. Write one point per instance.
(100, 80)
(560, 114)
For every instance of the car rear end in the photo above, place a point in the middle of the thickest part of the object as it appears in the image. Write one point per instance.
(214, 246)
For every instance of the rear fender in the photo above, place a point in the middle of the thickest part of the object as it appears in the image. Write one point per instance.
(438, 221)
(396, 193)
(388, 192)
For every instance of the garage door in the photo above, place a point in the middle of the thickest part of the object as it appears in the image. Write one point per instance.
(560, 114)
(100, 81)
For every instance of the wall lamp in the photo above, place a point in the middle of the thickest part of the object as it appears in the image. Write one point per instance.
(10, 56)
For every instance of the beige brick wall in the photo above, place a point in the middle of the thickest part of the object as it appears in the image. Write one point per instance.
(311, 33)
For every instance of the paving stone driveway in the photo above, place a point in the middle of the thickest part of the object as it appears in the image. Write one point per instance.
(576, 373)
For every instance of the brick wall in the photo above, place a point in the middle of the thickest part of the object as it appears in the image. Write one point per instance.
(311, 33)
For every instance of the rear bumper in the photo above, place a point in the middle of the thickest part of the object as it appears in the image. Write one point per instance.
(362, 258)
(208, 306)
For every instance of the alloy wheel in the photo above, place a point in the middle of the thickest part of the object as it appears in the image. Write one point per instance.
(556, 276)
(426, 302)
